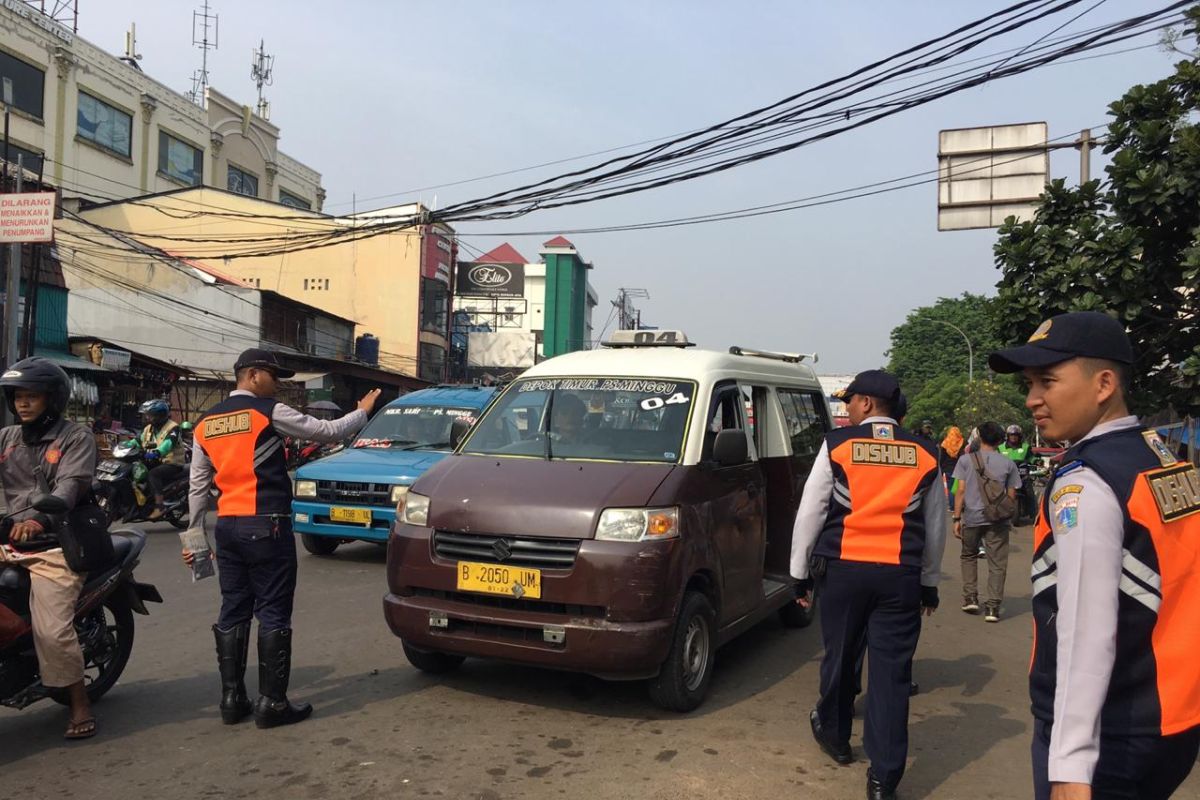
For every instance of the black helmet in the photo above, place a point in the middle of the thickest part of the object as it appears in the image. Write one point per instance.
(37, 375)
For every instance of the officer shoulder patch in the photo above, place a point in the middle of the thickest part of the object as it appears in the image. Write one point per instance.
(883, 430)
(1176, 491)
(1073, 488)
(1159, 447)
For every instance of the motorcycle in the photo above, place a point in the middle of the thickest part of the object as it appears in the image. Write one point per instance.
(122, 489)
(298, 453)
(1032, 481)
(103, 621)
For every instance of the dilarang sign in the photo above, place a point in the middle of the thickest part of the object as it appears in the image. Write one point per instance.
(477, 279)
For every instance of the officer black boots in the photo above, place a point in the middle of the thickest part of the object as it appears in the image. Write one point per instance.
(274, 669)
(232, 649)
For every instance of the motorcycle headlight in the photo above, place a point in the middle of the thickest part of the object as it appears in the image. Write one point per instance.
(416, 509)
(306, 489)
(398, 493)
(637, 524)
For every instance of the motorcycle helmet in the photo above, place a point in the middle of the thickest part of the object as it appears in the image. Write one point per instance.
(1011, 429)
(37, 375)
(155, 408)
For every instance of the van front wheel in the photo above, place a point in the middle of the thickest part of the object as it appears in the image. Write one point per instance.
(319, 545)
(682, 682)
(431, 661)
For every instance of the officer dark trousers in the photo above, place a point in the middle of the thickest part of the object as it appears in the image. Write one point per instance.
(884, 601)
(1129, 768)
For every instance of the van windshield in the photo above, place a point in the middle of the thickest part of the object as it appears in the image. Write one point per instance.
(608, 419)
(412, 427)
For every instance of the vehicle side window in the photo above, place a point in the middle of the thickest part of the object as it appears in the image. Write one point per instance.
(806, 425)
(725, 413)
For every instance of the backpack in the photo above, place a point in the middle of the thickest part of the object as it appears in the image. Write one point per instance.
(997, 505)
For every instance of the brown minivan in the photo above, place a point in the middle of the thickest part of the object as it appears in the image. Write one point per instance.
(620, 512)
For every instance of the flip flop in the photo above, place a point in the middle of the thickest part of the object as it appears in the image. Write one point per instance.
(84, 729)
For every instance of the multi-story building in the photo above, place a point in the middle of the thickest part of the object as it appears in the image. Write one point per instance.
(100, 128)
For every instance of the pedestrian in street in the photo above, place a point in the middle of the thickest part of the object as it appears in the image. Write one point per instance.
(1115, 678)
(948, 452)
(987, 476)
(45, 452)
(871, 528)
(239, 447)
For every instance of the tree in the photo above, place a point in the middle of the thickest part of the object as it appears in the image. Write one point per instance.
(937, 402)
(991, 401)
(1127, 245)
(925, 346)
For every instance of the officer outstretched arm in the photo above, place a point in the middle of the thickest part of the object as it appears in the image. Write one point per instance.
(290, 422)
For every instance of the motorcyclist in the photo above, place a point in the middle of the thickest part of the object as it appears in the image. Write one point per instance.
(46, 451)
(1016, 448)
(162, 443)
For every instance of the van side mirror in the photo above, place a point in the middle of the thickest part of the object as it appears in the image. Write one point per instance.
(458, 429)
(730, 448)
(49, 504)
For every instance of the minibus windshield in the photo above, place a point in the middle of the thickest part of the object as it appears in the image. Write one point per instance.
(600, 419)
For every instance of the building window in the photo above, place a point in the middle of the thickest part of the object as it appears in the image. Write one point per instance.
(241, 182)
(432, 364)
(31, 161)
(28, 82)
(255, 282)
(435, 305)
(294, 200)
(103, 125)
(179, 160)
(316, 284)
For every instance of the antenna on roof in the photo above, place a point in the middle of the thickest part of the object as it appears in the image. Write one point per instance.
(132, 56)
(202, 23)
(262, 73)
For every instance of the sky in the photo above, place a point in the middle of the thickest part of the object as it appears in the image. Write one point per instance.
(387, 99)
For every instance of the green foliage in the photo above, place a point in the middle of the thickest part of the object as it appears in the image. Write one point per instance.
(1129, 246)
(991, 401)
(925, 347)
(937, 402)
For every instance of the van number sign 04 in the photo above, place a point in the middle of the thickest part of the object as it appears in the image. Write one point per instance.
(493, 579)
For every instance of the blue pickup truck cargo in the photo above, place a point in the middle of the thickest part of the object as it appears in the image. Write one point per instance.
(352, 495)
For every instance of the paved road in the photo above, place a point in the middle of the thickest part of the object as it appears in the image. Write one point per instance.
(494, 731)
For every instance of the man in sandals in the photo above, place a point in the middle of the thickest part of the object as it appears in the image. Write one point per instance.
(36, 391)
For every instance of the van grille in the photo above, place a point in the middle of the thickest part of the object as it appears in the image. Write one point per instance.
(362, 494)
(510, 550)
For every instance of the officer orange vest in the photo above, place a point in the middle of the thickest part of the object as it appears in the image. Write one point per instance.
(247, 452)
(886, 471)
(1155, 684)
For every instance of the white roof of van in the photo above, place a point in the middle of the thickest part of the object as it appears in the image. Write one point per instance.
(669, 362)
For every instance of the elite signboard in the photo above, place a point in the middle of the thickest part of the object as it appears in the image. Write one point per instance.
(483, 279)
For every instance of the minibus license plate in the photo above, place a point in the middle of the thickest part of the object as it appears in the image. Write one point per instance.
(494, 579)
(358, 516)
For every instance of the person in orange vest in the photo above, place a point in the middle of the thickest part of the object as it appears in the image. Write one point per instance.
(872, 528)
(1114, 679)
(239, 447)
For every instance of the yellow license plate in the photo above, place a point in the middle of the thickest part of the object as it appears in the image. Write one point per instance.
(497, 579)
(358, 516)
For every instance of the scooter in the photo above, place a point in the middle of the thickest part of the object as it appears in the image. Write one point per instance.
(103, 621)
(122, 489)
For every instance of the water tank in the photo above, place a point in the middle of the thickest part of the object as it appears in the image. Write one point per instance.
(366, 349)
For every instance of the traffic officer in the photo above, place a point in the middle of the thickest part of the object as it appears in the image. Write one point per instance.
(239, 447)
(871, 527)
(1114, 680)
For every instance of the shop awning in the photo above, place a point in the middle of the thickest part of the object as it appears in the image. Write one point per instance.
(67, 361)
(305, 377)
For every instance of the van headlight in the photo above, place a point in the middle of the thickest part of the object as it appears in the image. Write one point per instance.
(416, 509)
(306, 489)
(398, 493)
(637, 524)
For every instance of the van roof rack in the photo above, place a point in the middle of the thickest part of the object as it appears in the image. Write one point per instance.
(791, 358)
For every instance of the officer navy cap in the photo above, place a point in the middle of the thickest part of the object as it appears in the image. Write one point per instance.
(1079, 334)
(874, 383)
(263, 359)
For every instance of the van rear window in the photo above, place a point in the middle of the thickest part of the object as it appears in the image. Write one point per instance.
(605, 419)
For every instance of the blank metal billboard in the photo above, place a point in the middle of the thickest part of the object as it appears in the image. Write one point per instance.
(988, 174)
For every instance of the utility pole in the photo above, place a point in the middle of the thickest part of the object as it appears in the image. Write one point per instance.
(1084, 144)
(12, 298)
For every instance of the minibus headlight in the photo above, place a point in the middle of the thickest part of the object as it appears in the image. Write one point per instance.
(637, 524)
(416, 509)
(398, 493)
(306, 488)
